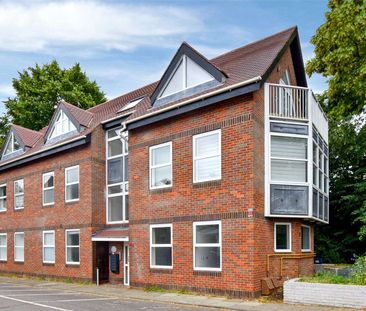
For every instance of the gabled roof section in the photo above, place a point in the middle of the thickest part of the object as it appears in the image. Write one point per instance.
(184, 57)
(28, 137)
(79, 120)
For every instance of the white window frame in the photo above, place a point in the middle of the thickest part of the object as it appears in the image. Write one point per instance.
(124, 184)
(205, 223)
(63, 119)
(19, 194)
(4, 247)
(4, 197)
(48, 188)
(152, 167)
(195, 137)
(12, 143)
(306, 249)
(21, 247)
(289, 249)
(161, 245)
(72, 183)
(72, 246)
(48, 246)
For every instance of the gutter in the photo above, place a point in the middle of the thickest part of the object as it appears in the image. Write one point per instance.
(201, 97)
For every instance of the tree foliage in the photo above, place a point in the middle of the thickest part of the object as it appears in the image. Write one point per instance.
(40, 88)
(340, 55)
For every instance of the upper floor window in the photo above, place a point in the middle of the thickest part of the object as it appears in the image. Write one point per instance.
(3, 198)
(161, 166)
(187, 74)
(285, 79)
(72, 183)
(62, 125)
(19, 194)
(161, 246)
(48, 182)
(207, 245)
(12, 145)
(72, 242)
(207, 156)
(3, 247)
(117, 176)
(282, 237)
(19, 246)
(288, 159)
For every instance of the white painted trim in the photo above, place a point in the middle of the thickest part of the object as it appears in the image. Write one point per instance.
(112, 239)
(288, 250)
(161, 245)
(305, 249)
(152, 167)
(49, 246)
(72, 183)
(200, 97)
(194, 139)
(48, 188)
(206, 223)
(23, 247)
(4, 197)
(19, 194)
(126, 265)
(74, 246)
(5, 247)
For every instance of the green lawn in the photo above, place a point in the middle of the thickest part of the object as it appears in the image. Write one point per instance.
(331, 279)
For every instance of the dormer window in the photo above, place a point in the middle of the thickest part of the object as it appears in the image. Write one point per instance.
(63, 125)
(187, 74)
(13, 145)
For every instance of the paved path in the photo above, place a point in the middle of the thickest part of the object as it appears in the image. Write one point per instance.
(19, 294)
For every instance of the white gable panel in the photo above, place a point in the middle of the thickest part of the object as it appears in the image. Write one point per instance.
(196, 75)
(12, 145)
(176, 82)
(62, 125)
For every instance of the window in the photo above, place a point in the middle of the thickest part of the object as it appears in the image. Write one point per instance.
(73, 247)
(3, 247)
(207, 245)
(161, 246)
(285, 79)
(282, 237)
(72, 183)
(49, 246)
(48, 184)
(3, 198)
(187, 74)
(207, 156)
(13, 145)
(19, 246)
(19, 194)
(131, 104)
(288, 159)
(62, 125)
(161, 166)
(117, 176)
(305, 239)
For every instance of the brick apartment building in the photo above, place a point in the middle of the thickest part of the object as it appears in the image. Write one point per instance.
(210, 179)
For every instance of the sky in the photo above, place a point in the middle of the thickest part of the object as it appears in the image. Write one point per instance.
(123, 45)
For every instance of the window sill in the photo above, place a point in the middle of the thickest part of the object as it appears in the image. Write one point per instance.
(72, 265)
(162, 270)
(48, 205)
(283, 251)
(209, 183)
(48, 264)
(19, 262)
(3, 261)
(72, 202)
(3, 211)
(18, 209)
(207, 273)
(160, 190)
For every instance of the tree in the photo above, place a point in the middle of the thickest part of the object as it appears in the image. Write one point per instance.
(40, 88)
(340, 55)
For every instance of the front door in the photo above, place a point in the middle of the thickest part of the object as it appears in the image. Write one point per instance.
(126, 265)
(102, 261)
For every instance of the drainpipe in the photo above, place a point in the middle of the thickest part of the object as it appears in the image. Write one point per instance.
(122, 130)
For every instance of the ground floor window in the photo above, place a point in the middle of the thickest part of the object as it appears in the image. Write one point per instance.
(282, 237)
(3, 247)
(207, 245)
(49, 246)
(19, 246)
(305, 238)
(161, 246)
(73, 246)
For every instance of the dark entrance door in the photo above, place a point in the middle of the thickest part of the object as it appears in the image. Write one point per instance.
(102, 258)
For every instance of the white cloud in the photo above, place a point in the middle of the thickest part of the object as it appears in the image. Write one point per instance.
(43, 26)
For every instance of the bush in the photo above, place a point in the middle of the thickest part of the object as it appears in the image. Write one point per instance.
(359, 271)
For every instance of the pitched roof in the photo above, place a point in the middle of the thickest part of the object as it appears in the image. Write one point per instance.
(254, 60)
(28, 137)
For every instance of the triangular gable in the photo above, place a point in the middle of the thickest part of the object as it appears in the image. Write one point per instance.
(189, 72)
(63, 124)
(13, 145)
